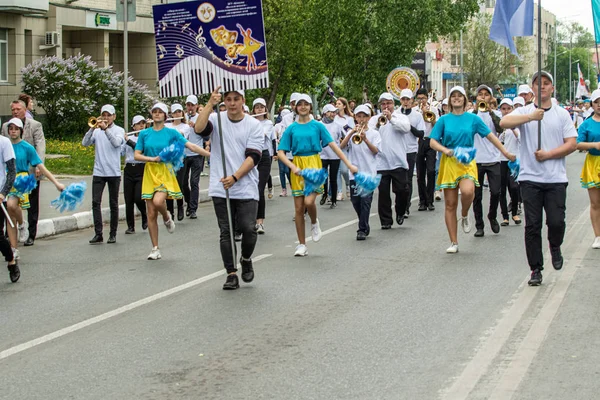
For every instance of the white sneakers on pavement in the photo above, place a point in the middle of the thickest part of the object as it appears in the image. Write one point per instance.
(154, 254)
(23, 234)
(465, 223)
(260, 229)
(315, 231)
(452, 249)
(170, 224)
(16, 254)
(596, 244)
(301, 250)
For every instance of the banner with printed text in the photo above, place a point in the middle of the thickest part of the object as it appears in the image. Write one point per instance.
(204, 44)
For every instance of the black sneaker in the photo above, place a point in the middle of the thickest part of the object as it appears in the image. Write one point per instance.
(29, 241)
(231, 283)
(187, 212)
(431, 207)
(144, 225)
(557, 258)
(129, 231)
(361, 235)
(193, 215)
(180, 213)
(479, 233)
(247, 270)
(238, 237)
(323, 199)
(536, 278)
(14, 272)
(386, 227)
(422, 207)
(407, 213)
(495, 225)
(400, 219)
(97, 239)
(112, 239)
(332, 206)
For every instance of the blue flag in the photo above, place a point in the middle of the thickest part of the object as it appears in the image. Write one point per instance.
(511, 18)
(596, 14)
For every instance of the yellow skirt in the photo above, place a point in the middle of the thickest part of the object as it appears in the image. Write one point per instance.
(589, 174)
(304, 162)
(23, 197)
(452, 172)
(160, 177)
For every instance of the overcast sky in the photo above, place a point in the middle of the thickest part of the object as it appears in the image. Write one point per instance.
(571, 10)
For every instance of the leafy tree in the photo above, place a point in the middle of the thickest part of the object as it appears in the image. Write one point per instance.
(561, 80)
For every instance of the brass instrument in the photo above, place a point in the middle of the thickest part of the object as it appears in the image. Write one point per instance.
(94, 121)
(482, 106)
(356, 138)
(429, 116)
(382, 120)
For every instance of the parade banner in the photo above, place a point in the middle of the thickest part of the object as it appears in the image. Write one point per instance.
(201, 45)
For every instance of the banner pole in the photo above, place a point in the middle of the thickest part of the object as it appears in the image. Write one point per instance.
(539, 76)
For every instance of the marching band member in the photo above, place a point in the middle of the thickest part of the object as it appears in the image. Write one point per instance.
(543, 176)
(458, 129)
(193, 163)
(392, 164)
(305, 139)
(588, 111)
(159, 181)
(426, 156)
(107, 139)
(345, 119)
(363, 154)
(330, 160)
(259, 106)
(133, 175)
(510, 139)
(179, 123)
(518, 102)
(589, 139)
(284, 171)
(243, 140)
(417, 129)
(526, 94)
(7, 178)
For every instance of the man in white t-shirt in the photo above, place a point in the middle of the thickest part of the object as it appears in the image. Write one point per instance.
(543, 174)
(243, 142)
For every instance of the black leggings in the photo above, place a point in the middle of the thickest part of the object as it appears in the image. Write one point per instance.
(180, 175)
(334, 167)
(5, 247)
(264, 170)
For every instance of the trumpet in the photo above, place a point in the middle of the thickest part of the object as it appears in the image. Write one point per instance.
(482, 106)
(94, 121)
(429, 116)
(381, 121)
(356, 138)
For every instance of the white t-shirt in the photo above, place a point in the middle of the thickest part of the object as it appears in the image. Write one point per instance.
(269, 135)
(556, 127)
(187, 132)
(345, 120)
(336, 132)
(237, 137)
(486, 151)
(128, 151)
(393, 143)
(512, 142)
(361, 156)
(416, 120)
(6, 153)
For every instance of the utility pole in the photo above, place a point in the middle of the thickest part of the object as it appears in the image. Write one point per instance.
(462, 71)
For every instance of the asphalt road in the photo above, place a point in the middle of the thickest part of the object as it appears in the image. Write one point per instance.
(393, 317)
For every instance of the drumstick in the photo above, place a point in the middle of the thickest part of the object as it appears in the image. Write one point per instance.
(7, 216)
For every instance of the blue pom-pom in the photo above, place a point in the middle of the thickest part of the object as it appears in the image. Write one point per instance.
(173, 154)
(514, 167)
(71, 198)
(465, 155)
(366, 184)
(313, 179)
(25, 184)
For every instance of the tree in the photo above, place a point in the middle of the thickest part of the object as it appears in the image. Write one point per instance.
(561, 80)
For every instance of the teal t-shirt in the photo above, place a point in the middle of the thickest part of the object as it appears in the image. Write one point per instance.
(589, 131)
(454, 131)
(25, 156)
(151, 142)
(305, 139)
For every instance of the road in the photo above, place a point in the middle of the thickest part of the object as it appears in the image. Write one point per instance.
(393, 317)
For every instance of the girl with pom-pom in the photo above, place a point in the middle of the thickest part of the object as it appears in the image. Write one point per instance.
(306, 138)
(159, 181)
(26, 157)
(453, 130)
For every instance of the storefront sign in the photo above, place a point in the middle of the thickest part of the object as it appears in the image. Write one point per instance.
(100, 20)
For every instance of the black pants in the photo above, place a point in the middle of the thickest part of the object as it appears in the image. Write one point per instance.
(492, 171)
(98, 183)
(333, 167)
(5, 247)
(426, 158)
(243, 213)
(399, 181)
(264, 170)
(508, 183)
(411, 158)
(33, 212)
(179, 177)
(133, 174)
(191, 181)
(539, 197)
(362, 206)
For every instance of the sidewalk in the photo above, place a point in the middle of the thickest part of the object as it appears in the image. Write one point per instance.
(51, 222)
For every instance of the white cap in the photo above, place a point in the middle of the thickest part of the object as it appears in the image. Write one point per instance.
(240, 92)
(260, 101)
(385, 96)
(506, 100)
(363, 109)
(246, 109)
(524, 89)
(176, 107)
(294, 97)
(304, 97)
(544, 73)
(137, 119)
(284, 112)
(595, 95)
(161, 106)
(369, 105)
(486, 87)
(329, 108)
(108, 108)
(406, 93)
(445, 102)
(17, 122)
(518, 100)
(191, 99)
(457, 89)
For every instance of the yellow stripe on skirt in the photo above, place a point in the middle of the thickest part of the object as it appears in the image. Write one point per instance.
(452, 172)
(160, 177)
(304, 162)
(589, 173)
(23, 197)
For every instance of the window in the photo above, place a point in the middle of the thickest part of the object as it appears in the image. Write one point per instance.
(455, 59)
(3, 55)
(490, 3)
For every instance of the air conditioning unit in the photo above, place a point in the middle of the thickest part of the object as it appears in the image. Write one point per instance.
(52, 39)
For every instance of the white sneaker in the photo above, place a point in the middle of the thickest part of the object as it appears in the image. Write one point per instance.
(16, 254)
(340, 196)
(438, 195)
(596, 244)
(465, 223)
(315, 231)
(452, 249)
(154, 254)
(170, 224)
(23, 234)
(260, 229)
(301, 250)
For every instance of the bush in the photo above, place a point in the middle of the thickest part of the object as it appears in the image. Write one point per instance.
(73, 89)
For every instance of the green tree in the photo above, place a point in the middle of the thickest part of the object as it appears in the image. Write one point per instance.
(579, 55)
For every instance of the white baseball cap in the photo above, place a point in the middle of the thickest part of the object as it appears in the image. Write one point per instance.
(385, 96)
(240, 92)
(137, 119)
(176, 107)
(519, 100)
(108, 108)
(329, 108)
(445, 102)
(161, 106)
(506, 100)
(595, 95)
(17, 122)
(544, 73)
(294, 97)
(260, 101)
(304, 97)
(363, 109)
(191, 99)
(486, 87)
(406, 93)
(458, 89)
(246, 109)
(524, 89)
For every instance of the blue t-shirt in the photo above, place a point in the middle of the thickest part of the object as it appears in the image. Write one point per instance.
(454, 131)
(25, 156)
(305, 139)
(151, 142)
(589, 131)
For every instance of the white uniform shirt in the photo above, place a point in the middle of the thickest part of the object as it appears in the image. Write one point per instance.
(417, 121)
(337, 133)
(556, 127)
(6, 153)
(107, 149)
(128, 151)
(393, 143)
(486, 151)
(512, 142)
(361, 156)
(188, 133)
(429, 125)
(269, 135)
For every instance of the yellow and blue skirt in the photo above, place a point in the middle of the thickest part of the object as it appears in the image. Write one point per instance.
(304, 162)
(589, 174)
(160, 177)
(23, 197)
(452, 172)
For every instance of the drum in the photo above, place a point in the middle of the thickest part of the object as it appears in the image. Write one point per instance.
(402, 78)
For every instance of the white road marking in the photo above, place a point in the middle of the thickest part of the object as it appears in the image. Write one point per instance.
(102, 317)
